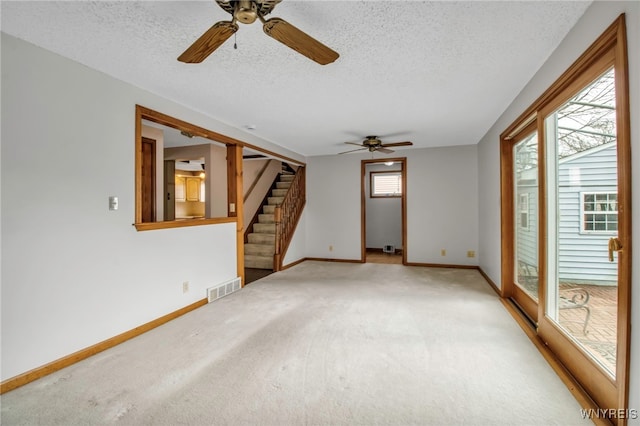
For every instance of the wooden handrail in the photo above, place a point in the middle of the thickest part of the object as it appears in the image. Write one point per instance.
(287, 216)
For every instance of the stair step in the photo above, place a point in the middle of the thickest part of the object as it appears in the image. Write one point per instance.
(258, 262)
(275, 200)
(266, 218)
(283, 185)
(279, 192)
(286, 178)
(259, 249)
(264, 228)
(267, 209)
(258, 238)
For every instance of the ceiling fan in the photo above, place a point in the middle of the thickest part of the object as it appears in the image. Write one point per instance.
(247, 11)
(373, 143)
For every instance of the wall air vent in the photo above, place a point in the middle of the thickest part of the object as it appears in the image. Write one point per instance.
(221, 290)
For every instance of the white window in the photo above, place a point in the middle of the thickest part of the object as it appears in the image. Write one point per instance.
(386, 184)
(599, 212)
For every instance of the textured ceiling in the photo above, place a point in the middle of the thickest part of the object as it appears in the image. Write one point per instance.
(435, 73)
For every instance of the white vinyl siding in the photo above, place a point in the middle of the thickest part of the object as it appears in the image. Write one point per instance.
(583, 256)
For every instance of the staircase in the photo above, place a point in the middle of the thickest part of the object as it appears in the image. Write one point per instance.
(259, 251)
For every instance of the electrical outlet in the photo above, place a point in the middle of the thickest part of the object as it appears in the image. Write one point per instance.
(443, 252)
(185, 287)
(471, 253)
(330, 248)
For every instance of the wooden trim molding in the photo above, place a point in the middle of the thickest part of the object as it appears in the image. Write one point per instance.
(148, 226)
(292, 264)
(527, 327)
(326, 259)
(490, 281)
(234, 195)
(441, 265)
(597, 49)
(570, 382)
(507, 218)
(167, 120)
(144, 113)
(68, 360)
(363, 201)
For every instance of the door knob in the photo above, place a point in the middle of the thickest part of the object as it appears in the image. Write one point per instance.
(614, 245)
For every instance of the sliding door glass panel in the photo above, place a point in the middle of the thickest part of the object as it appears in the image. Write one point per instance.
(525, 170)
(582, 217)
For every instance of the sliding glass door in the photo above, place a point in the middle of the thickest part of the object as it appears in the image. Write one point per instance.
(566, 219)
(525, 291)
(586, 187)
(582, 220)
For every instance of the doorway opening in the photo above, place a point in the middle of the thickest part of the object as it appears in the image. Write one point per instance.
(383, 207)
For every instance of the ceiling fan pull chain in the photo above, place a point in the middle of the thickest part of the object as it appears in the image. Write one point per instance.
(235, 39)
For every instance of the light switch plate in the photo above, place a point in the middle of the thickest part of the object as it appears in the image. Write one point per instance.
(113, 203)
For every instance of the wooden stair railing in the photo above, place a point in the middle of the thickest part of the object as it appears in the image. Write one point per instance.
(254, 219)
(287, 216)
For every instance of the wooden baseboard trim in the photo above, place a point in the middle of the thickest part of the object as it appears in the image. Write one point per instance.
(491, 283)
(68, 360)
(323, 259)
(441, 265)
(567, 378)
(292, 264)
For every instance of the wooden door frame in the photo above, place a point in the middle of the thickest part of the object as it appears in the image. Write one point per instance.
(363, 199)
(154, 211)
(508, 208)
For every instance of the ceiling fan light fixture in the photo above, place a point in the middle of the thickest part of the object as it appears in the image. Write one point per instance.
(246, 11)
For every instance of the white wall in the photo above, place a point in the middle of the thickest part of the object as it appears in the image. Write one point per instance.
(333, 206)
(297, 246)
(250, 172)
(73, 272)
(442, 200)
(595, 20)
(383, 214)
(438, 216)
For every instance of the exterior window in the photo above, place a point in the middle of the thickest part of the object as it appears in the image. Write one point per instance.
(600, 212)
(523, 210)
(386, 184)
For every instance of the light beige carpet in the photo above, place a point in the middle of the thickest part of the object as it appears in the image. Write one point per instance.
(320, 343)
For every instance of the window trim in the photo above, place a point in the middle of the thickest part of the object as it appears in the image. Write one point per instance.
(583, 212)
(372, 179)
